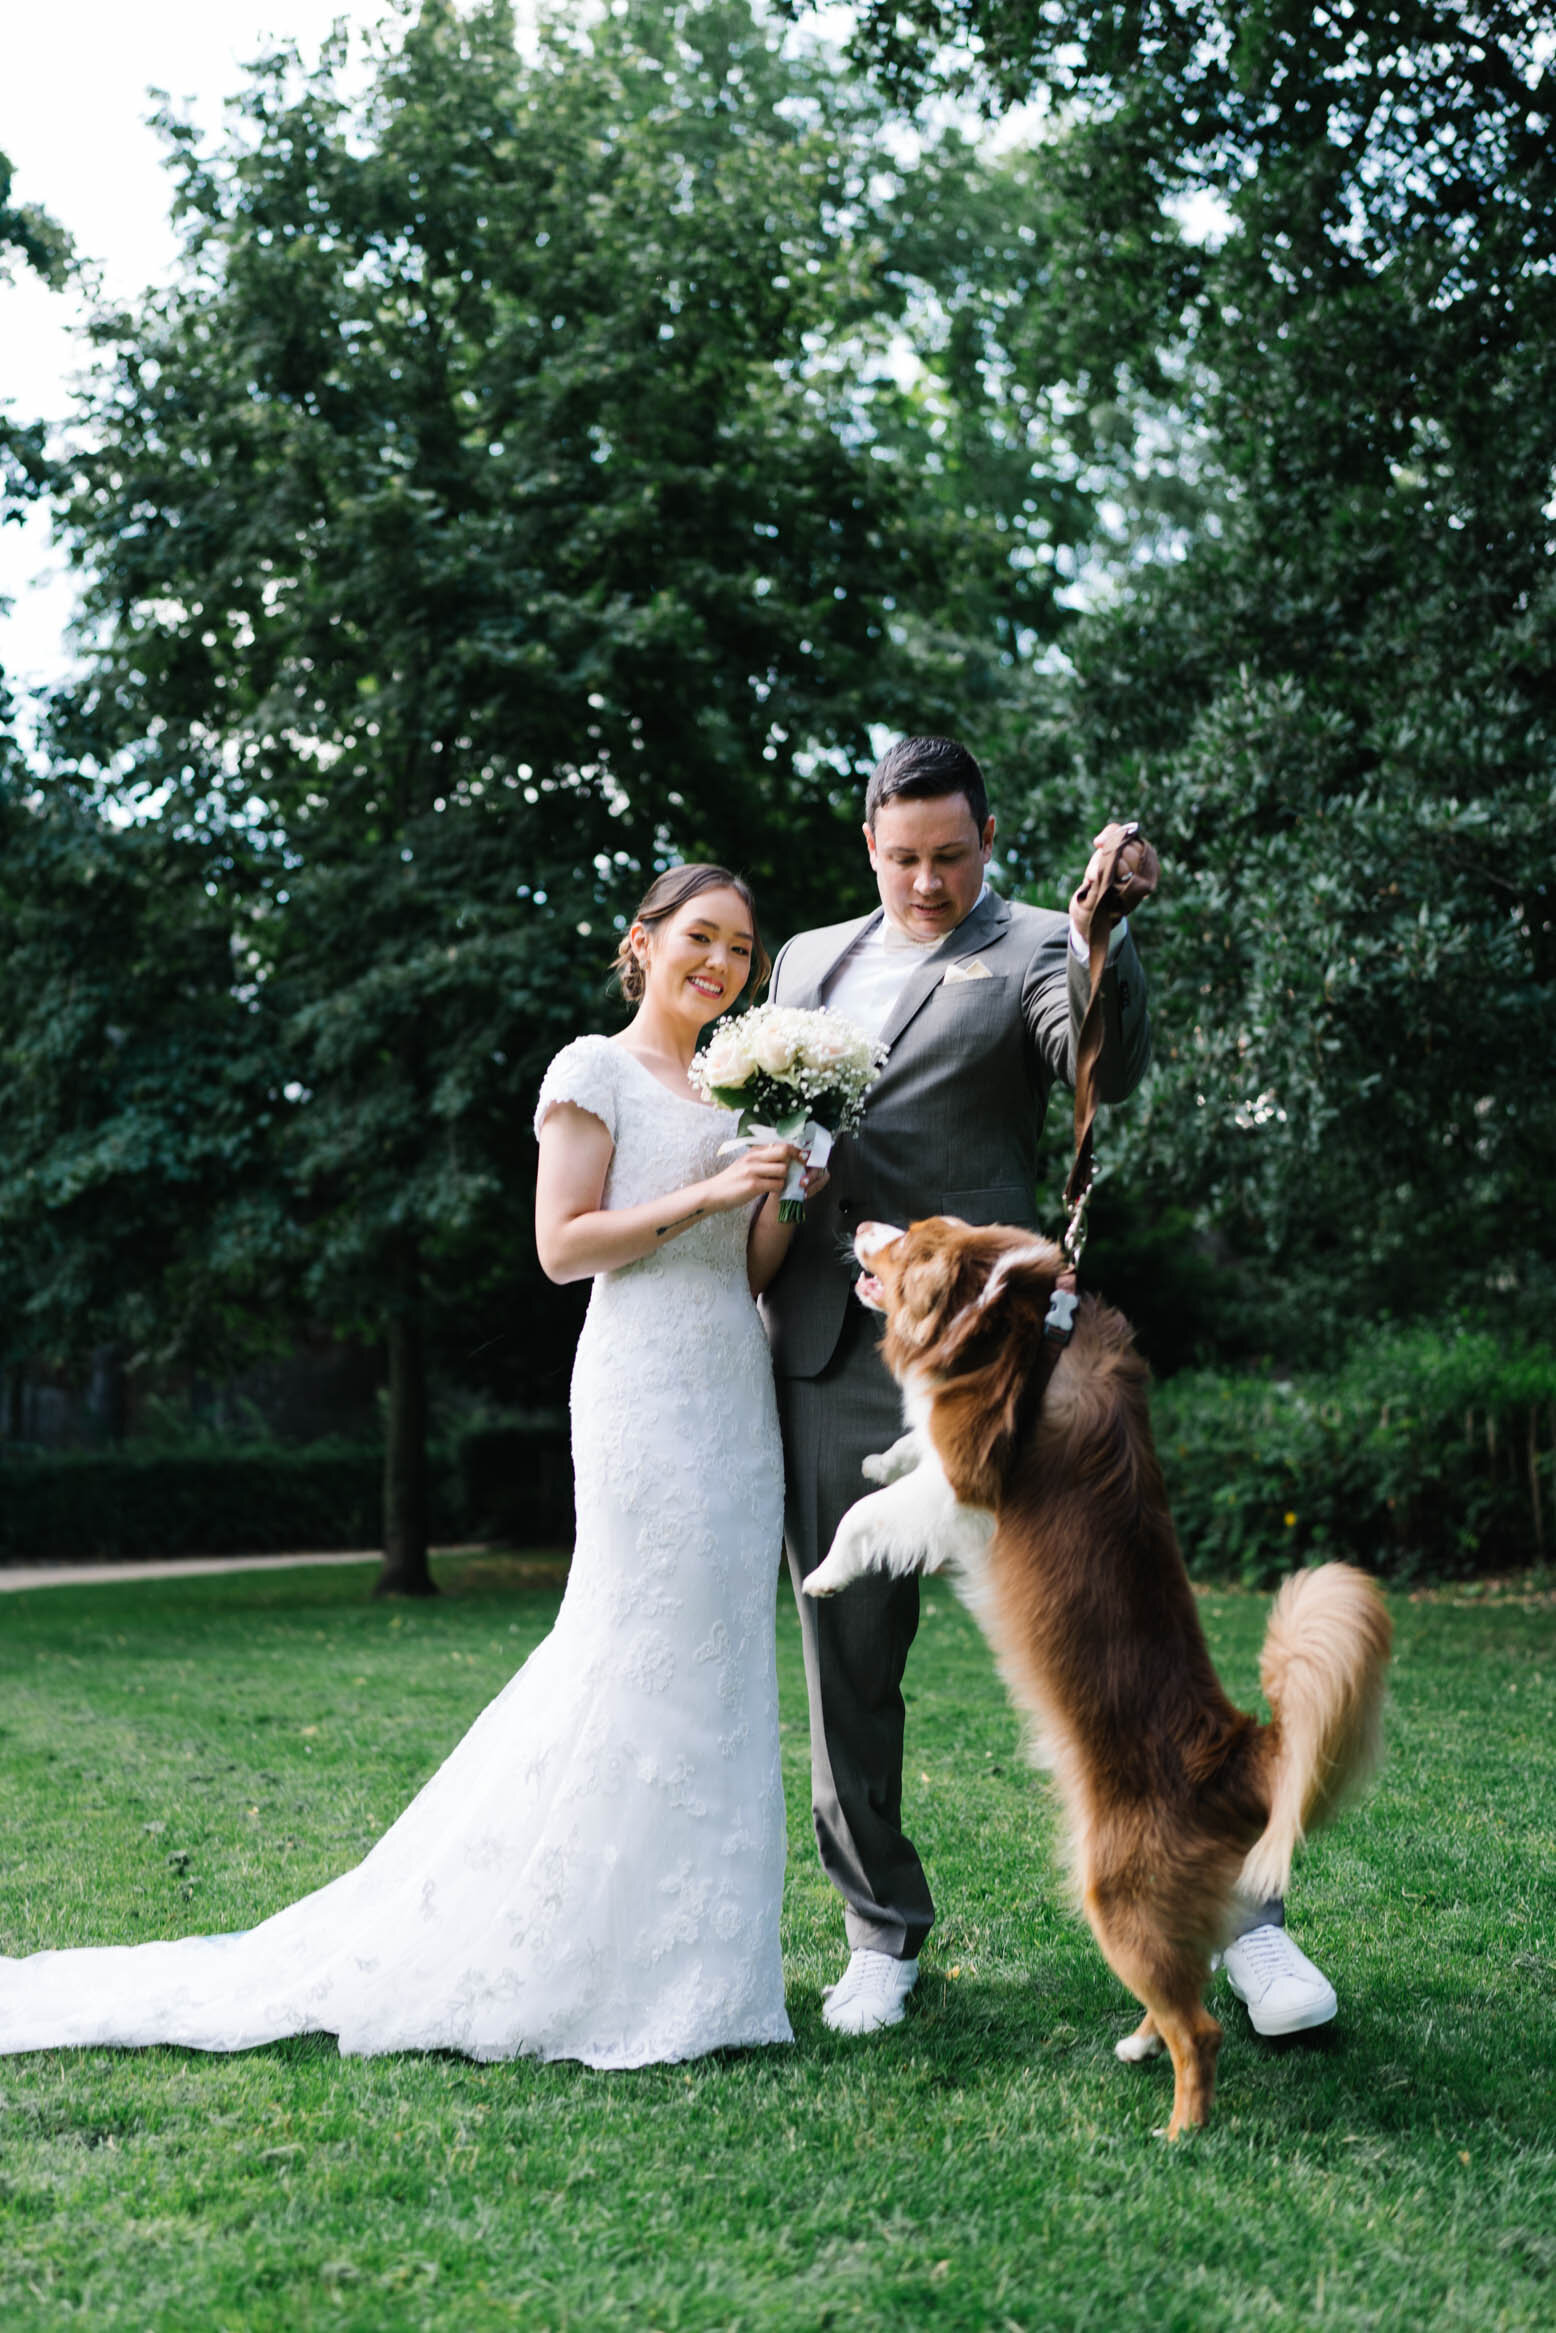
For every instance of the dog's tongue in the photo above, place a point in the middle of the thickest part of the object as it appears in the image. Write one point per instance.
(869, 1289)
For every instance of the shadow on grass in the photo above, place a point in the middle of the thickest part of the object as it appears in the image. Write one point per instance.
(1376, 2074)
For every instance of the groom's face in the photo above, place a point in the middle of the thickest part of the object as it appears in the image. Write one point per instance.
(929, 857)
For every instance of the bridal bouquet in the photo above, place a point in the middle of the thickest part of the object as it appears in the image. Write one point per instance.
(794, 1076)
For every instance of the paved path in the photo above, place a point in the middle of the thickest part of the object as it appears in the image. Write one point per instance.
(94, 1575)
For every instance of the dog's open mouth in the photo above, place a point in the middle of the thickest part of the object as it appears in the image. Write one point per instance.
(869, 1240)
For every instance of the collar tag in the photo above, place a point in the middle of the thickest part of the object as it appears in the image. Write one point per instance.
(1059, 1320)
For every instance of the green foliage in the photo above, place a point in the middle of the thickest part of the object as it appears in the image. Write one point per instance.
(29, 236)
(1349, 1002)
(32, 236)
(138, 1092)
(193, 1754)
(1424, 1455)
(522, 481)
(1335, 705)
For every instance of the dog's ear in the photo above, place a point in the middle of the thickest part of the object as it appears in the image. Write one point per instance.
(1030, 1268)
(995, 1430)
(1034, 1265)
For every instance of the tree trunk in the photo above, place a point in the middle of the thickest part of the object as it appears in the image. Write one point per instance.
(108, 1394)
(405, 1571)
(1534, 1484)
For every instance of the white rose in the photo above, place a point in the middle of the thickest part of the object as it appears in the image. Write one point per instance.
(773, 1049)
(829, 1048)
(728, 1062)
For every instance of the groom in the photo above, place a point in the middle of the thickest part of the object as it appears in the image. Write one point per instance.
(979, 1001)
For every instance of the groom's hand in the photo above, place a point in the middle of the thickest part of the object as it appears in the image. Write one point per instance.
(1134, 875)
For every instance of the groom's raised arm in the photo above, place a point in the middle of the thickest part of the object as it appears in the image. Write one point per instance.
(1053, 1002)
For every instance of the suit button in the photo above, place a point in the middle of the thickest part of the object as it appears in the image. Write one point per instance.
(848, 1207)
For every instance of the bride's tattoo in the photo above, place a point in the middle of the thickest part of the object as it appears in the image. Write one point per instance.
(664, 1229)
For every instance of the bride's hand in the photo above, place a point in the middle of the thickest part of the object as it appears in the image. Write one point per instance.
(757, 1173)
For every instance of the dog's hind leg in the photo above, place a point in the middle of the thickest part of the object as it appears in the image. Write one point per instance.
(1194, 2038)
(1169, 1980)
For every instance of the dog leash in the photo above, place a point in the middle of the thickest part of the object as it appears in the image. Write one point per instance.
(1129, 873)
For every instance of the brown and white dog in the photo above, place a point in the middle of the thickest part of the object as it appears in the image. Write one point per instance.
(1176, 1802)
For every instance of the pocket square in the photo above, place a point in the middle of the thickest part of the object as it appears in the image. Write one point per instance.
(969, 969)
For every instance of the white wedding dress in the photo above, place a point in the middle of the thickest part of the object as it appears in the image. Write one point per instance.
(596, 1870)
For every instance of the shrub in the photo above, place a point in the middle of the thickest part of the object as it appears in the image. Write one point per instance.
(511, 1481)
(515, 1482)
(134, 1502)
(1428, 1451)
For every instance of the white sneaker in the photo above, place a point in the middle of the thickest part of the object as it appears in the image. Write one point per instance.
(872, 1991)
(1283, 1990)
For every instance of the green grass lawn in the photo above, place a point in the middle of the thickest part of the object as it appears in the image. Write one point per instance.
(191, 1755)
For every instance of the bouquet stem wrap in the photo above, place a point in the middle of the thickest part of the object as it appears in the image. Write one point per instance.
(791, 1076)
(795, 1127)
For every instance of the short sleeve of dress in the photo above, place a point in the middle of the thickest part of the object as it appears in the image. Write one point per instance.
(583, 1072)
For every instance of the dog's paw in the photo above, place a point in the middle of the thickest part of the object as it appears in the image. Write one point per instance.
(891, 1465)
(850, 1555)
(1143, 2043)
(830, 1575)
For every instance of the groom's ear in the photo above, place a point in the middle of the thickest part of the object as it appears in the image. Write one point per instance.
(868, 831)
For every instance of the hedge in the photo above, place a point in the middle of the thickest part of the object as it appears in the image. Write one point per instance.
(1427, 1454)
(512, 1482)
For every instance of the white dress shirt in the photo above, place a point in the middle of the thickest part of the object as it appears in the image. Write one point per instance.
(876, 969)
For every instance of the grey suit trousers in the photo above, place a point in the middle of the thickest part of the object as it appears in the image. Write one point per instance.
(856, 1646)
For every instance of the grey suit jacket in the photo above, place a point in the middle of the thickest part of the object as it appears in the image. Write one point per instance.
(952, 1124)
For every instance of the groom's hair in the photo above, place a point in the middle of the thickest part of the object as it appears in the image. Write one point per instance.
(920, 769)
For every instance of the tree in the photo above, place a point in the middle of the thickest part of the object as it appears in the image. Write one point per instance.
(1337, 702)
(29, 237)
(137, 1088)
(518, 486)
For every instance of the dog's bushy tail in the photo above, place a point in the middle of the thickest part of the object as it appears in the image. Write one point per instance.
(1322, 1669)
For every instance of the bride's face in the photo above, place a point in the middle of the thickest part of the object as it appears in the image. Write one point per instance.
(699, 959)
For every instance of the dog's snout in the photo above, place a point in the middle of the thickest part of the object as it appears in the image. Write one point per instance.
(870, 1238)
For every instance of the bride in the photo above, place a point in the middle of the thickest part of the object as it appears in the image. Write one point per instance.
(596, 1870)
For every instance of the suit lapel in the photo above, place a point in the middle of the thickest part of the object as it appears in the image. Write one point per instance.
(807, 992)
(987, 920)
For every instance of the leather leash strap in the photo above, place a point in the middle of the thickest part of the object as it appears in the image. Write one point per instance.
(1129, 873)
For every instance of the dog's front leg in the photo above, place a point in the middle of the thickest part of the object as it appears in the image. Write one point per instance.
(905, 1454)
(915, 1524)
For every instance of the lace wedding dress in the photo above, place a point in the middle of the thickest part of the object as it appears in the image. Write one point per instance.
(596, 1870)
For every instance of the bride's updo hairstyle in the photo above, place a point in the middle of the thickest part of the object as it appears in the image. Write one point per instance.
(665, 895)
